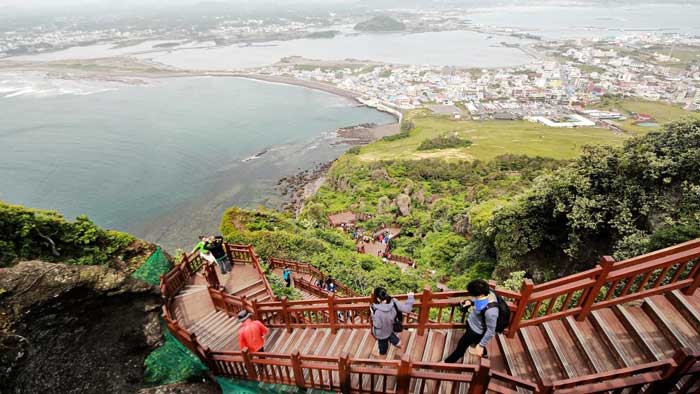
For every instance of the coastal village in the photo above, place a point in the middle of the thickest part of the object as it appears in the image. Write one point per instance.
(555, 89)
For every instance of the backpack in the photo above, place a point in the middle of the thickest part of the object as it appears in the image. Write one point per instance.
(503, 314)
(398, 320)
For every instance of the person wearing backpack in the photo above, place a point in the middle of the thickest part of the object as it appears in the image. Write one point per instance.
(387, 318)
(489, 315)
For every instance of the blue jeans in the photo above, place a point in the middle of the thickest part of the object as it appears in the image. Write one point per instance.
(384, 343)
(224, 264)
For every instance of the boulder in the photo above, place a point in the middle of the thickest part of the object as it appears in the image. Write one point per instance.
(384, 205)
(403, 202)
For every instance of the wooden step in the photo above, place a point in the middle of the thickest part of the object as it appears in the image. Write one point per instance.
(191, 289)
(203, 321)
(685, 307)
(589, 342)
(671, 322)
(647, 334)
(571, 359)
(626, 350)
(516, 358)
(242, 290)
(433, 352)
(230, 334)
(281, 341)
(206, 331)
(546, 363)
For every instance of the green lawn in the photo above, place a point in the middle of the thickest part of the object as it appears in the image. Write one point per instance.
(662, 112)
(490, 139)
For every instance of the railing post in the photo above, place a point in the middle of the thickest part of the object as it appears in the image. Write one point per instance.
(227, 249)
(690, 290)
(525, 291)
(254, 312)
(424, 309)
(332, 316)
(285, 314)
(480, 379)
(248, 362)
(546, 387)
(298, 373)
(606, 263)
(682, 362)
(344, 373)
(403, 375)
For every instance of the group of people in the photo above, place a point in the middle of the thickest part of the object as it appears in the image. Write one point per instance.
(211, 248)
(486, 318)
(484, 321)
(327, 285)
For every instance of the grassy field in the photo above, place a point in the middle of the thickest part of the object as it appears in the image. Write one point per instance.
(662, 112)
(489, 139)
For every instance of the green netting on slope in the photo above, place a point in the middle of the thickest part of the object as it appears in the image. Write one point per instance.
(172, 362)
(232, 386)
(155, 266)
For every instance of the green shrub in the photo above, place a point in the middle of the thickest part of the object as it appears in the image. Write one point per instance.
(445, 141)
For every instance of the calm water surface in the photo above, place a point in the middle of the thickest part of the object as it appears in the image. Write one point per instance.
(166, 159)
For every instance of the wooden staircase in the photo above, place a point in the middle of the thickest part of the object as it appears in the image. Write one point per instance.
(649, 342)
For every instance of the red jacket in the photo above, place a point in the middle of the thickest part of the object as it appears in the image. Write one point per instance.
(251, 335)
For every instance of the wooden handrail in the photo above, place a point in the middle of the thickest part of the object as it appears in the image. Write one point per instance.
(606, 285)
(306, 268)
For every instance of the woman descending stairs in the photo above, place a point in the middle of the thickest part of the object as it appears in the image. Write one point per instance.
(647, 342)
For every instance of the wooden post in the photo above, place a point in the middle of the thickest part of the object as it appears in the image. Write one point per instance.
(285, 314)
(248, 362)
(525, 291)
(606, 263)
(403, 375)
(227, 249)
(344, 373)
(298, 372)
(546, 387)
(690, 290)
(480, 379)
(254, 312)
(332, 316)
(424, 313)
(682, 362)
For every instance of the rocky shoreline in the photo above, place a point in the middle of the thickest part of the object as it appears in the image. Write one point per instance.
(295, 189)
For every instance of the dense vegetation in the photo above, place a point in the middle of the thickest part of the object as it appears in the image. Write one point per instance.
(276, 235)
(444, 142)
(464, 219)
(622, 201)
(380, 23)
(27, 234)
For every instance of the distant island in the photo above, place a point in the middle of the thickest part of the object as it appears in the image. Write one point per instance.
(380, 23)
(323, 34)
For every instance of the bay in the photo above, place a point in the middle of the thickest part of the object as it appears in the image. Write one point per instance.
(164, 160)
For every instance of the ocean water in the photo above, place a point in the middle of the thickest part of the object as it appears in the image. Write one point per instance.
(164, 159)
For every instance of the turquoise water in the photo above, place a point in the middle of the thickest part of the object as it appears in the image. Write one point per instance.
(164, 160)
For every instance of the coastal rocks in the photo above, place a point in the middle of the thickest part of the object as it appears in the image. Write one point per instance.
(361, 134)
(70, 328)
(297, 188)
(403, 202)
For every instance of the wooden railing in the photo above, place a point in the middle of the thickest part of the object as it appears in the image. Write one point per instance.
(346, 375)
(610, 283)
(308, 269)
(178, 277)
(607, 284)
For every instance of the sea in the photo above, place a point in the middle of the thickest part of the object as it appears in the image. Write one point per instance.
(163, 159)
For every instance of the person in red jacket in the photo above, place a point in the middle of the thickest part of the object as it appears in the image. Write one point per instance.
(251, 335)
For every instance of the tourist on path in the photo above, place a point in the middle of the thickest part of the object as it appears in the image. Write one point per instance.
(481, 323)
(251, 335)
(384, 310)
(287, 276)
(330, 284)
(203, 251)
(216, 247)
